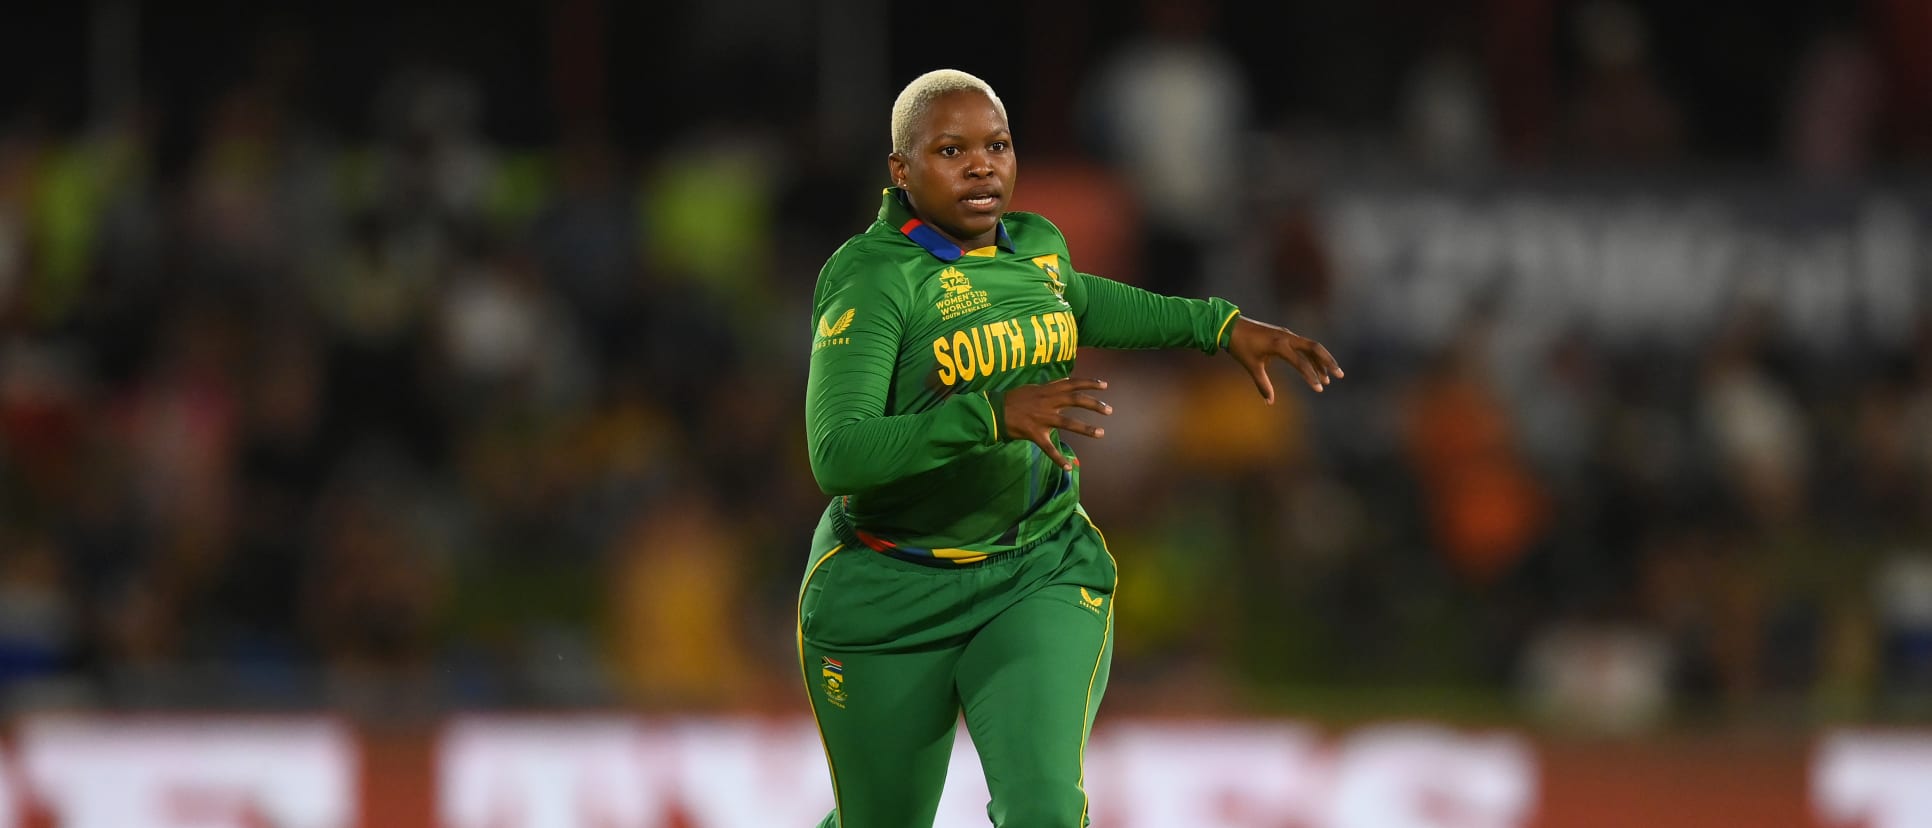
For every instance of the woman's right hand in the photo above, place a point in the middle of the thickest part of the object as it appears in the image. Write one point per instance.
(1033, 412)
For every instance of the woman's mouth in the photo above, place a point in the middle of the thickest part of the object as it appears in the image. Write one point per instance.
(983, 202)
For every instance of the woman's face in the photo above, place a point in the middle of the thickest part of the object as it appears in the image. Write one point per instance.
(960, 170)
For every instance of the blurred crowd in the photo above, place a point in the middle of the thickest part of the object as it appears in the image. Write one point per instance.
(424, 419)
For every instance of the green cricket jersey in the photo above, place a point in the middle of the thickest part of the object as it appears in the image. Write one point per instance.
(916, 344)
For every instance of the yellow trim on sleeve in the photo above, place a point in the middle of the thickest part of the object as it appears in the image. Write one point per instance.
(1224, 329)
(995, 415)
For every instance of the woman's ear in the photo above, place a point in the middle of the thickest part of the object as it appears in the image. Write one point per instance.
(896, 168)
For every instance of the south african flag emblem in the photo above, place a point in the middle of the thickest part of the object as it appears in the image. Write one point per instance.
(833, 672)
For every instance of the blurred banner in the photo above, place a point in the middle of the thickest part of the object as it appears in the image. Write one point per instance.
(623, 772)
(1648, 263)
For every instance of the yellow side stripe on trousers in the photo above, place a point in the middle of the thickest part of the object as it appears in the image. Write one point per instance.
(1106, 632)
(810, 702)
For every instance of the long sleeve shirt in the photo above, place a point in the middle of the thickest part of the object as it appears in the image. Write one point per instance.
(916, 343)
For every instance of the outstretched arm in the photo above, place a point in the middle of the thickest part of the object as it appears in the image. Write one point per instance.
(1115, 315)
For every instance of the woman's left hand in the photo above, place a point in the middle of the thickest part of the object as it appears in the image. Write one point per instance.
(1254, 343)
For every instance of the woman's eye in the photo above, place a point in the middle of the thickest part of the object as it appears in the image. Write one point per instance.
(948, 151)
(999, 146)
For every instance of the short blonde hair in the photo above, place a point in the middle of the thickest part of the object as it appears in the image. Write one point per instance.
(916, 99)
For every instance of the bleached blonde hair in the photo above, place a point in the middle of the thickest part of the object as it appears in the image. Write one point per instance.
(916, 99)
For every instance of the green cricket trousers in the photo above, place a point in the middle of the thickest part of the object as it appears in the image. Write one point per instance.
(894, 649)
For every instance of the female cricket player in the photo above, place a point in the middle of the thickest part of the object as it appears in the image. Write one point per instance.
(954, 569)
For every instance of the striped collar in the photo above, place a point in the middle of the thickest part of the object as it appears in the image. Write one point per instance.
(897, 214)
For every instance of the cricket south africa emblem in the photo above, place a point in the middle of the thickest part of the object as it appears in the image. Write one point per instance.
(1050, 263)
(834, 675)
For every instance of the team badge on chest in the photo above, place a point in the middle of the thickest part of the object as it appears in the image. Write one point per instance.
(1050, 263)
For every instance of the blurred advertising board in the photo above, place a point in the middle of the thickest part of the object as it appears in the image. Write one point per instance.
(1630, 263)
(616, 771)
